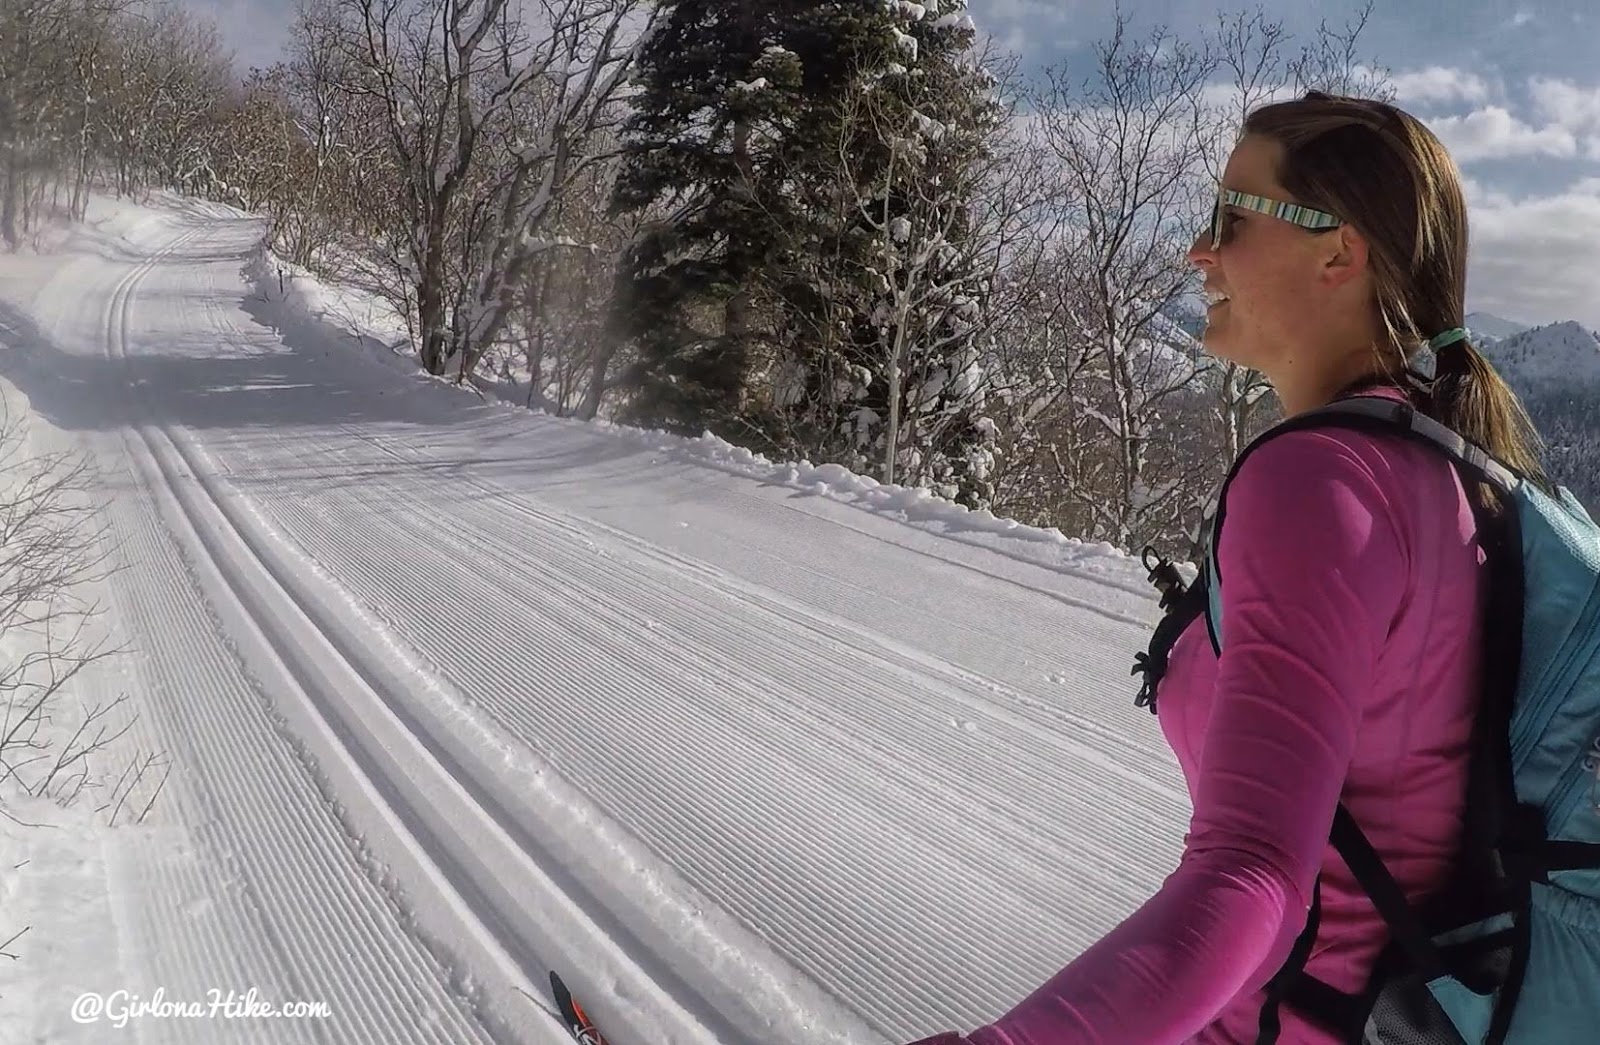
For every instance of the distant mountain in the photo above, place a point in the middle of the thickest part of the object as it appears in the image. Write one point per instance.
(1484, 325)
(1565, 354)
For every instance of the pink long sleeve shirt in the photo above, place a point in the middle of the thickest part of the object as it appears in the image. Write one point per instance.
(1351, 606)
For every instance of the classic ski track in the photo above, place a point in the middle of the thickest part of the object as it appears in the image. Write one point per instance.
(978, 691)
(448, 580)
(433, 586)
(305, 950)
(671, 823)
(182, 885)
(471, 772)
(552, 559)
(776, 510)
(282, 897)
(427, 598)
(1028, 709)
(442, 757)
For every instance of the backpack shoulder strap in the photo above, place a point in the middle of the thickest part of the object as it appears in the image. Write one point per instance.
(1366, 413)
(1380, 414)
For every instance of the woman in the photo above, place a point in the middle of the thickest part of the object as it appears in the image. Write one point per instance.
(1353, 597)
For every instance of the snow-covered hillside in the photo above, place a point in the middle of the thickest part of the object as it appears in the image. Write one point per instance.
(1486, 326)
(1560, 353)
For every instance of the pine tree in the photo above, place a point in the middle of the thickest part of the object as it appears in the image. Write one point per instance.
(733, 106)
(890, 355)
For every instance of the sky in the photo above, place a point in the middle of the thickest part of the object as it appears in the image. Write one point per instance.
(1512, 88)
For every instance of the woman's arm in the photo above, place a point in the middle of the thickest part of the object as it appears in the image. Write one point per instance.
(1313, 577)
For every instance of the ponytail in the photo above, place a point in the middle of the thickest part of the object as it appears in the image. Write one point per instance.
(1472, 398)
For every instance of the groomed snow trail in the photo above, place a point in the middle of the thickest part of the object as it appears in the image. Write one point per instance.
(458, 694)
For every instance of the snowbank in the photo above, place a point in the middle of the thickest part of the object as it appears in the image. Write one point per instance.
(78, 783)
(300, 304)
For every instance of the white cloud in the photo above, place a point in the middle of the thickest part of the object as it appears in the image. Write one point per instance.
(1482, 195)
(1494, 133)
(1439, 84)
(1567, 103)
(1538, 257)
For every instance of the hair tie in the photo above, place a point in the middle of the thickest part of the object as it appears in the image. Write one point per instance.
(1449, 337)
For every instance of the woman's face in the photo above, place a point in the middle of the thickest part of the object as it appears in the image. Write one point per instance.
(1266, 269)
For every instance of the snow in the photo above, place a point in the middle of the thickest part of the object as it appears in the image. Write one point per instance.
(930, 127)
(960, 21)
(751, 751)
(905, 42)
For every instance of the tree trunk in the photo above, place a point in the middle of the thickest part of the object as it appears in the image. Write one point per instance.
(892, 437)
(430, 316)
(597, 385)
(8, 204)
(736, 311)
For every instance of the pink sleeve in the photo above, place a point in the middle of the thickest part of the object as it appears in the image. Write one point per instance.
(1313, 577)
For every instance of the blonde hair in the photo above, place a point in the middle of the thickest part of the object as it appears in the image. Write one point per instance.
(1382, 171)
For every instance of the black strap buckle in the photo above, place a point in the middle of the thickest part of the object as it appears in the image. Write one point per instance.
(1165, 576)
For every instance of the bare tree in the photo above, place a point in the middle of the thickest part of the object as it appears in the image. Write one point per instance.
(885, 302)
(489, 118)
(1332, 62)
(942, 214)
(53, 550)
(256, 154)
(571, 356)
(95, 86)
(159, 75)
(343, 146)
(54, 745)
(35, 44)
(1124, 142)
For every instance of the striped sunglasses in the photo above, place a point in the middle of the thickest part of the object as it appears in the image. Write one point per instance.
(1305, 217)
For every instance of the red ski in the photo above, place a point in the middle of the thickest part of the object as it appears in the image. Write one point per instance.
(572, 1014)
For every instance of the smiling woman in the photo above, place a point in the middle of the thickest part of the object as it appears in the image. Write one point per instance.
(1335, 261)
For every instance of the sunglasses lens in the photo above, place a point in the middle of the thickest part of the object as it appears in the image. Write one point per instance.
(1217, 231)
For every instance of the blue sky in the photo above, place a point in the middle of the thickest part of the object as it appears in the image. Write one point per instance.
(1513, 88)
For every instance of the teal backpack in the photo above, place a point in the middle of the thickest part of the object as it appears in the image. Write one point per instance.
(1509, 952)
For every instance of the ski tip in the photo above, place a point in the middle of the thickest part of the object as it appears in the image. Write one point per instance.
(578, 1023)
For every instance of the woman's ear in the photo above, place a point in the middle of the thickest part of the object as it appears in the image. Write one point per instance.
(1345, 256)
